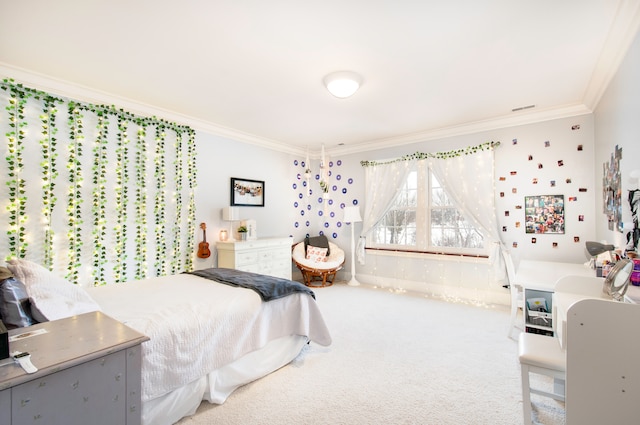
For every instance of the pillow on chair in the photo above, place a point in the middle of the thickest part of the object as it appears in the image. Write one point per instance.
(315, 254)
(317, 241)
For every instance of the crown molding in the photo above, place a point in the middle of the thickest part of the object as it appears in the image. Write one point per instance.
(623, 31)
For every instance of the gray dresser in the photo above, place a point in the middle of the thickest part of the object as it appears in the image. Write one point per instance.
(88, 373)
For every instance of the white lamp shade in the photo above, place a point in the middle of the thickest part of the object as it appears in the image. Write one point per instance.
(352, 215)
(230, 214)
(342, 83)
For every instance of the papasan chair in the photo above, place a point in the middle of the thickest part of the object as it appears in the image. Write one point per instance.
(318, 270)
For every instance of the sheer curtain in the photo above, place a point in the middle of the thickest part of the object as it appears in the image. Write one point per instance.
(467, 175)
(383, 183)
(469, 180)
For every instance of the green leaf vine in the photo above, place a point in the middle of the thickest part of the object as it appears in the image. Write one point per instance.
(16, 183)
(74, 194)
(470, 150)
(121, 199)
(48, 144)
(160, 203)
(99, 198)
(141, 204)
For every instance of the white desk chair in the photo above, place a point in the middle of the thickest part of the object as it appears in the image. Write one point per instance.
(517, 293)
(541, 355)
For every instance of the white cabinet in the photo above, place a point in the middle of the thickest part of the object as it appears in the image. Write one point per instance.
(269, 256)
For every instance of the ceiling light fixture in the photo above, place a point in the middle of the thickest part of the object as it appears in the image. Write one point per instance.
(342, 84)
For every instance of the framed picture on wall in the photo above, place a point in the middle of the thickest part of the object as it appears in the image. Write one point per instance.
(247, 193)
(544, 214)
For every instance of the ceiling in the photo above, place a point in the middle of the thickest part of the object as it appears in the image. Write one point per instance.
(252, 70)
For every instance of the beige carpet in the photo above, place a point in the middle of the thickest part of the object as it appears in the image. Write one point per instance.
(395, 359)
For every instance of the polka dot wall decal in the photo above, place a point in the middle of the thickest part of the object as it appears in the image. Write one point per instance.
(334, 188)
(302, 163)
(330, 201)
(342, 205)
(332, 214)
(326, 225)
(319, 200)
(295, 186)
(295, 204)
(335, 235)
(304, 183)
(301, 212)
(309, 207)
(295, 162)
(308, 223)
(338, 177)
(344, 190)
(320, 213)
(300, 195)
(355, 202)
(329, 173)
(339, 224)
(299, 176)
(339, 162)
(330, 163)
(350, 181)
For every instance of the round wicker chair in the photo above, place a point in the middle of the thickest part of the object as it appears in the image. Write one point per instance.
(322, 272)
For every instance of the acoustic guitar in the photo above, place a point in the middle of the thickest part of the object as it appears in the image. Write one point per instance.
(203, 249)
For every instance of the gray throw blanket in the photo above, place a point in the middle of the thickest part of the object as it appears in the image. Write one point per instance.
(268, 287)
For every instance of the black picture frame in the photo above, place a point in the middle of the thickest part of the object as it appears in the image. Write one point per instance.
(544, 214)
(247, 192)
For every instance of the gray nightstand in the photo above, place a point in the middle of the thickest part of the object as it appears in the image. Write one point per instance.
(89, 370)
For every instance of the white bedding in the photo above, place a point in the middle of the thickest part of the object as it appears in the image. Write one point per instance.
(196, 326)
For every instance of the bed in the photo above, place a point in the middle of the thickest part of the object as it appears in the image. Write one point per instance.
(206, 338)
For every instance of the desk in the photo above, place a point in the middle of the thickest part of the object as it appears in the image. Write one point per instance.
(543, 275)
(538, 280)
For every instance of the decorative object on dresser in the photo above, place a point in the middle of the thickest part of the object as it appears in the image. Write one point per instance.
(352, 216)
(203, 247)
(270, 256)
(242, 231)
(318, 260)
(230, 214)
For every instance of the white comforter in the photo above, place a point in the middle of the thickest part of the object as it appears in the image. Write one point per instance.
(196, 326)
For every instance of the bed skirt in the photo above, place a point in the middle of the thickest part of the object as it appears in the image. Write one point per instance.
(219, 384)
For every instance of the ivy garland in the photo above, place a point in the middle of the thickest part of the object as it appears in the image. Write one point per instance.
(177, 164)
(17, 234)
(470, 150)
(160, 204)
(141, 204)
(16, 184)
(121, 198)
(99, 197)
(49, 174)
(74, 194)
(191, 175)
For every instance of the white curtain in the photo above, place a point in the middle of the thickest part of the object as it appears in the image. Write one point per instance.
(468, 181)
(383, 183)
(466, 175)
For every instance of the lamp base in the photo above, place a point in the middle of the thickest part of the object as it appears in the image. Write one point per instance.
(353, 282)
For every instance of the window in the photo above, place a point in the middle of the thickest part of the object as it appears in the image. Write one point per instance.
(423, 218)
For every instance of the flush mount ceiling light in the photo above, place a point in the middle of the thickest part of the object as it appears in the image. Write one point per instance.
(342, 83)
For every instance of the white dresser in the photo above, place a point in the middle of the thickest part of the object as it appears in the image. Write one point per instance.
(270, 256)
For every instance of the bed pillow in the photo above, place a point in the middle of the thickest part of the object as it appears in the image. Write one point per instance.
(317, 255)
(15, 307)
(52, 297)
(317, 241)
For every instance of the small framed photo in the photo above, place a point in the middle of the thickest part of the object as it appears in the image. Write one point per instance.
(247, 193)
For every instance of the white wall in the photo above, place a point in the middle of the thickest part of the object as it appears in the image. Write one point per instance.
(474, 279)
(617, 122)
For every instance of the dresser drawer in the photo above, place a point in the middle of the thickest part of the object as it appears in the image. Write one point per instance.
(244, 258)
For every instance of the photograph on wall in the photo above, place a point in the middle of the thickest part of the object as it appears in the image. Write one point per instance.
(247, 193)
(612, 190)
(544, 214)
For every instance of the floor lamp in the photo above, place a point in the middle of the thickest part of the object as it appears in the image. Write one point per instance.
(352, 215)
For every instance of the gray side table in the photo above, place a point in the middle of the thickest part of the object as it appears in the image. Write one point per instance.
(89, 372)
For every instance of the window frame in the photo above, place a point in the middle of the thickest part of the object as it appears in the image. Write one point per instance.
(423, 223)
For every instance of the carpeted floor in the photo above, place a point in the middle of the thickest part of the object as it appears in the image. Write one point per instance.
(395, 359)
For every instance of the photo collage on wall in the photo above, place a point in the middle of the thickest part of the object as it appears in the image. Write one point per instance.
(544, 191)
